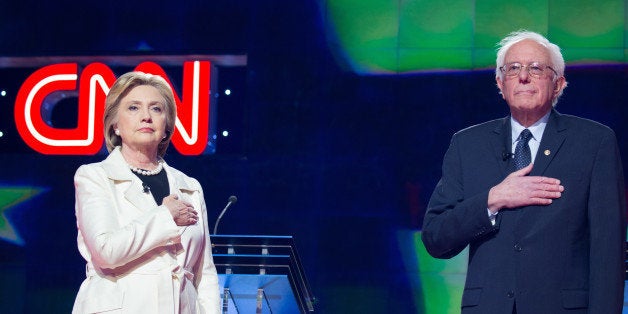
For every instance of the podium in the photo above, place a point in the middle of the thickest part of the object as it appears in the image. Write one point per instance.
(260, 274)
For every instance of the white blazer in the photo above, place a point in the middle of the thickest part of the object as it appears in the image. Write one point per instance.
(138, 259)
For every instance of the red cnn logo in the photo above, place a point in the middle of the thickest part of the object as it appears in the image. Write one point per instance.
(191, 130)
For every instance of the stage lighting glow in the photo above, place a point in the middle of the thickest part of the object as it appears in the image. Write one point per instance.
(438, 284)
(227, 92)
(225, 133)
(3, 93)
(1, 134)
(11, 196)
(429, 35)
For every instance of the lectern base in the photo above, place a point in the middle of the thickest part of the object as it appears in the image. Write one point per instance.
(258, 294)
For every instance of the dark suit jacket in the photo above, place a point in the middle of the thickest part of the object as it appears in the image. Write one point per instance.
(566, 257)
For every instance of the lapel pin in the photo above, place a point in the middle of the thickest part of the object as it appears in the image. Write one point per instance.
(547, 152)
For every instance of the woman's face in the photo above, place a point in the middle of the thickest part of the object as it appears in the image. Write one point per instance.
(142, 118)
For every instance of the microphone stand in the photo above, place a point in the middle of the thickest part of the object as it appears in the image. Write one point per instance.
(232, 199)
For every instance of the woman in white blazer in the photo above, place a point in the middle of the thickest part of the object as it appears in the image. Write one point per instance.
(142, 225)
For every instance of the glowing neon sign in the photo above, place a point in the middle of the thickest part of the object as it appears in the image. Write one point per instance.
(191, 130)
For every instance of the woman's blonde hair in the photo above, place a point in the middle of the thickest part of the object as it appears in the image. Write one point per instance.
(123, 85)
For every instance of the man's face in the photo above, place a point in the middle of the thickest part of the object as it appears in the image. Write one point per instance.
(527, 94)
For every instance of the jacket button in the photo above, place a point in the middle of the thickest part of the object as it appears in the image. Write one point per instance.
(510, 294)
(518, 247)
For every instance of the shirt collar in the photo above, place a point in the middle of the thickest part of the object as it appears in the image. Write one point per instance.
(536, 129)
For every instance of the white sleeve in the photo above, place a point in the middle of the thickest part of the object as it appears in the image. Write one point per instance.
(207, 278)
(109, 243)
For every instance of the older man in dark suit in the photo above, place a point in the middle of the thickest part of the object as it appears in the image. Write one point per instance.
(537, 196)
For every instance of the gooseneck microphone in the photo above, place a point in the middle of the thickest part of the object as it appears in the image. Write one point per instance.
(232, 200)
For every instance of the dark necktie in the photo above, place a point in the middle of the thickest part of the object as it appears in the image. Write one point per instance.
(523, 157)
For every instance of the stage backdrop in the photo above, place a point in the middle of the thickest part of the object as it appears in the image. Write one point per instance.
(330, 126)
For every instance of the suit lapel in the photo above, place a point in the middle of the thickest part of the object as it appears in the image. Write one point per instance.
(119, 173)
(142, 201)
(178, 184)
(553, 138)
(501, 144)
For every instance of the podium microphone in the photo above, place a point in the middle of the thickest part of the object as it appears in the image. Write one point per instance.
(232, 200)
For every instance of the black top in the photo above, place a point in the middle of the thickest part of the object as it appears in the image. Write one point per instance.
(157, 185)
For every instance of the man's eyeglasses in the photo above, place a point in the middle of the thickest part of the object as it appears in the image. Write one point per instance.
(535, 69)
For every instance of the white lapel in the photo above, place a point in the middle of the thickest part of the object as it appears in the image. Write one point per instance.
(123, 179)
(178, 181)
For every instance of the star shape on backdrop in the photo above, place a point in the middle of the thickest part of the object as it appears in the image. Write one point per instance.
(9, 197)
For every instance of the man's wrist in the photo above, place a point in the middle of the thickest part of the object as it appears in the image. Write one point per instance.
(492, 204)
